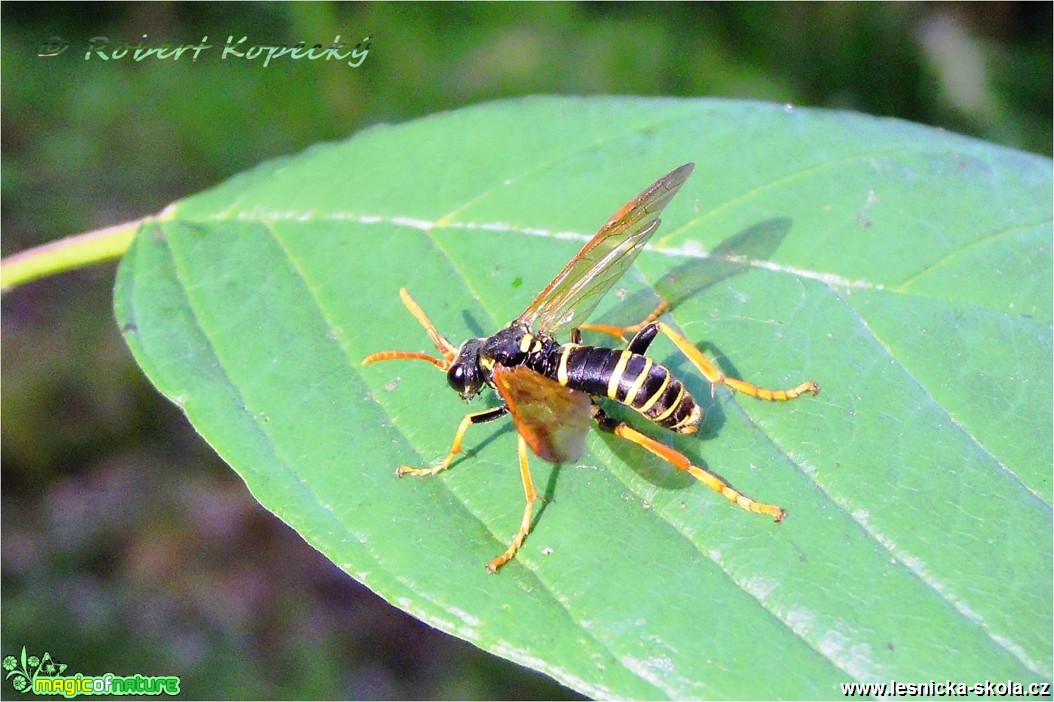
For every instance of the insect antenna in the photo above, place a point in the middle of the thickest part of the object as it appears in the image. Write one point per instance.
(440, 363)
(448, 350)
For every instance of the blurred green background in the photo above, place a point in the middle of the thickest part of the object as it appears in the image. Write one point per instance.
(128, 546)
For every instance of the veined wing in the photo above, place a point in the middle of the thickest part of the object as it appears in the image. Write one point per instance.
(574, 293)
(551, 418)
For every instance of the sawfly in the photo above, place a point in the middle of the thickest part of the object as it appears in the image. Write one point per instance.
(550, 388)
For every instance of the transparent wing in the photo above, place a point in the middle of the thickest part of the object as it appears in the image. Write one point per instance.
(574, 293)
(551, 418)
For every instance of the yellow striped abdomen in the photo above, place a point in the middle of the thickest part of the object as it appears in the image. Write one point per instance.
(633, 380)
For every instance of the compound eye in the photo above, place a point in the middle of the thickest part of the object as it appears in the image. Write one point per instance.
(457, 376)
(464, 378)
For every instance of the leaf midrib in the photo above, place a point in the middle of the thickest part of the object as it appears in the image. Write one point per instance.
(429, 227)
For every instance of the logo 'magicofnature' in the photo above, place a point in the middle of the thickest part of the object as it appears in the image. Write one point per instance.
(44, 676)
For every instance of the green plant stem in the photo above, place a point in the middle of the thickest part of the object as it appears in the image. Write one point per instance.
(66, 254)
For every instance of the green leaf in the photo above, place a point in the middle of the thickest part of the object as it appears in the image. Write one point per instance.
(904, 269)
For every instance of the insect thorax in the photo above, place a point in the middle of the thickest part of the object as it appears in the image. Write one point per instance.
(515, 346)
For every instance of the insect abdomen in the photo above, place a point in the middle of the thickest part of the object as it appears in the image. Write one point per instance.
(633, 380)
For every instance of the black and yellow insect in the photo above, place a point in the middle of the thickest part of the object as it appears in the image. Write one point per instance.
(550, 388)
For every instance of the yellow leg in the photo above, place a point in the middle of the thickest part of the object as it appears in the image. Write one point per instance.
(681, 462)
(712, 373)
(622, 333)
(707, 367)
(525, 523)
(470, 419)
